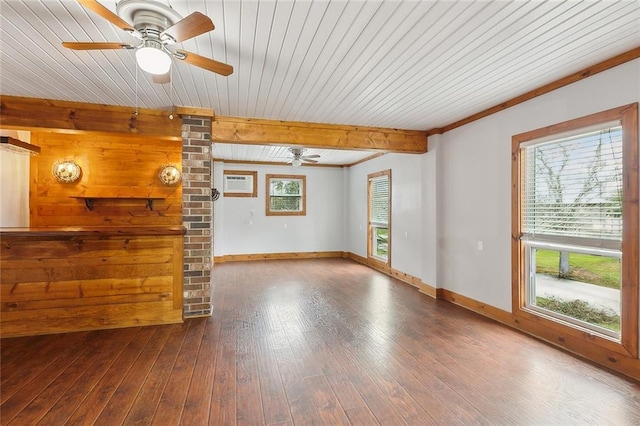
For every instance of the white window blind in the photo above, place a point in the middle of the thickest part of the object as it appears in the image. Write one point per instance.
(573, 187)
(379, 208)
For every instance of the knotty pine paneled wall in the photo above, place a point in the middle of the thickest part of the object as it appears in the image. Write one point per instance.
(62, 281)
(113, 165)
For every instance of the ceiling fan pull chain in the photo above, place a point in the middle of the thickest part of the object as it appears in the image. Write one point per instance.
(171, 93)
(136, 90)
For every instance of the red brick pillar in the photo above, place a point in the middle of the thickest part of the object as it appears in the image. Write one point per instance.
(197, 213)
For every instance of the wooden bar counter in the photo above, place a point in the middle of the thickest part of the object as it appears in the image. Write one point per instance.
(70, 279)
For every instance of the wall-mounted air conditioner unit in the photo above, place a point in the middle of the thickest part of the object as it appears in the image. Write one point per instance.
(240, 184)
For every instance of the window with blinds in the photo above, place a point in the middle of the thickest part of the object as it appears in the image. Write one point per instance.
(573, 188)
(575, 269)
(379, 190)
(379, 208)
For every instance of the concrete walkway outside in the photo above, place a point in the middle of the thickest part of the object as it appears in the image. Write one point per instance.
(601, 297)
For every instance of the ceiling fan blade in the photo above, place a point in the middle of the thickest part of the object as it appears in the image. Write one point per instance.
(306, 160)
(107, 14)
(202, 62)
(162, 78)
(189, 27)
(311, 156)
(95, 46)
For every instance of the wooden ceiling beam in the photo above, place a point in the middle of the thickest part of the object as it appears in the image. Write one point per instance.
(20, 112)
(200, 112)
(29, 113)
(255, 131)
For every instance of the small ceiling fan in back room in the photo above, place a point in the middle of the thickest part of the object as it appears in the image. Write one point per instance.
(157, 27)
(298, 159)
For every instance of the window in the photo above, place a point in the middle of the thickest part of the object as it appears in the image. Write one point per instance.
(240, 183)
(286, 195)
(379, 211)
(575, 223)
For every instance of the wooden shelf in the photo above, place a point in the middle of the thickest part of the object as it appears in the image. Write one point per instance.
(88, 201)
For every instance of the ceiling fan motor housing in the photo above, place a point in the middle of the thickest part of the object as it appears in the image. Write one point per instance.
(149, 17)
(297, 152)
(153, 43)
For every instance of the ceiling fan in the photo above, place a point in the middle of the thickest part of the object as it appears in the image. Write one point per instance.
(298, 158)
(157, 26)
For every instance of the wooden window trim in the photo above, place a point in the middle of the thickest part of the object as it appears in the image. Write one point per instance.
(254, 193)
(573, 338)
(269, 212)
(370, 256)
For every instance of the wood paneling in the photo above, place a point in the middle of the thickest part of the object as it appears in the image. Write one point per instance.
(112, 166)
(270, 132)
(67, 281)
(23, 112)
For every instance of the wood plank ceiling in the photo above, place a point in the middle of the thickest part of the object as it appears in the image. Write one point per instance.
(400, 64)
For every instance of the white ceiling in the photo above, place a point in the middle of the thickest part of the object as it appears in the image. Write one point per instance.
(399, 64)
(281, 154)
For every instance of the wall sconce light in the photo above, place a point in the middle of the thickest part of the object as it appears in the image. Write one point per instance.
(170, 175)
(66, 171)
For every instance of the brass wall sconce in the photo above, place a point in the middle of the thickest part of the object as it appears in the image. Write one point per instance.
(66, 171)
(170, 175)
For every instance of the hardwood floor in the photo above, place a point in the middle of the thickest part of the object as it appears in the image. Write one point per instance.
(324, 341)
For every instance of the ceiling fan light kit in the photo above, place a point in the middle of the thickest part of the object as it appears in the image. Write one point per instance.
(152, 59)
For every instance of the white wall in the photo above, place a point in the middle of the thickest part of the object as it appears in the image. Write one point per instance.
(14, 175)
(241, 226)
(430, 208)
(474, 178)
(444, 202)
(406, 209)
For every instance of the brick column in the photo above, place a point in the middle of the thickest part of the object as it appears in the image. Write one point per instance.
(197, 215)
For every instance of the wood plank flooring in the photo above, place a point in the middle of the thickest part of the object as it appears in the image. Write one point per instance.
(324, 341)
